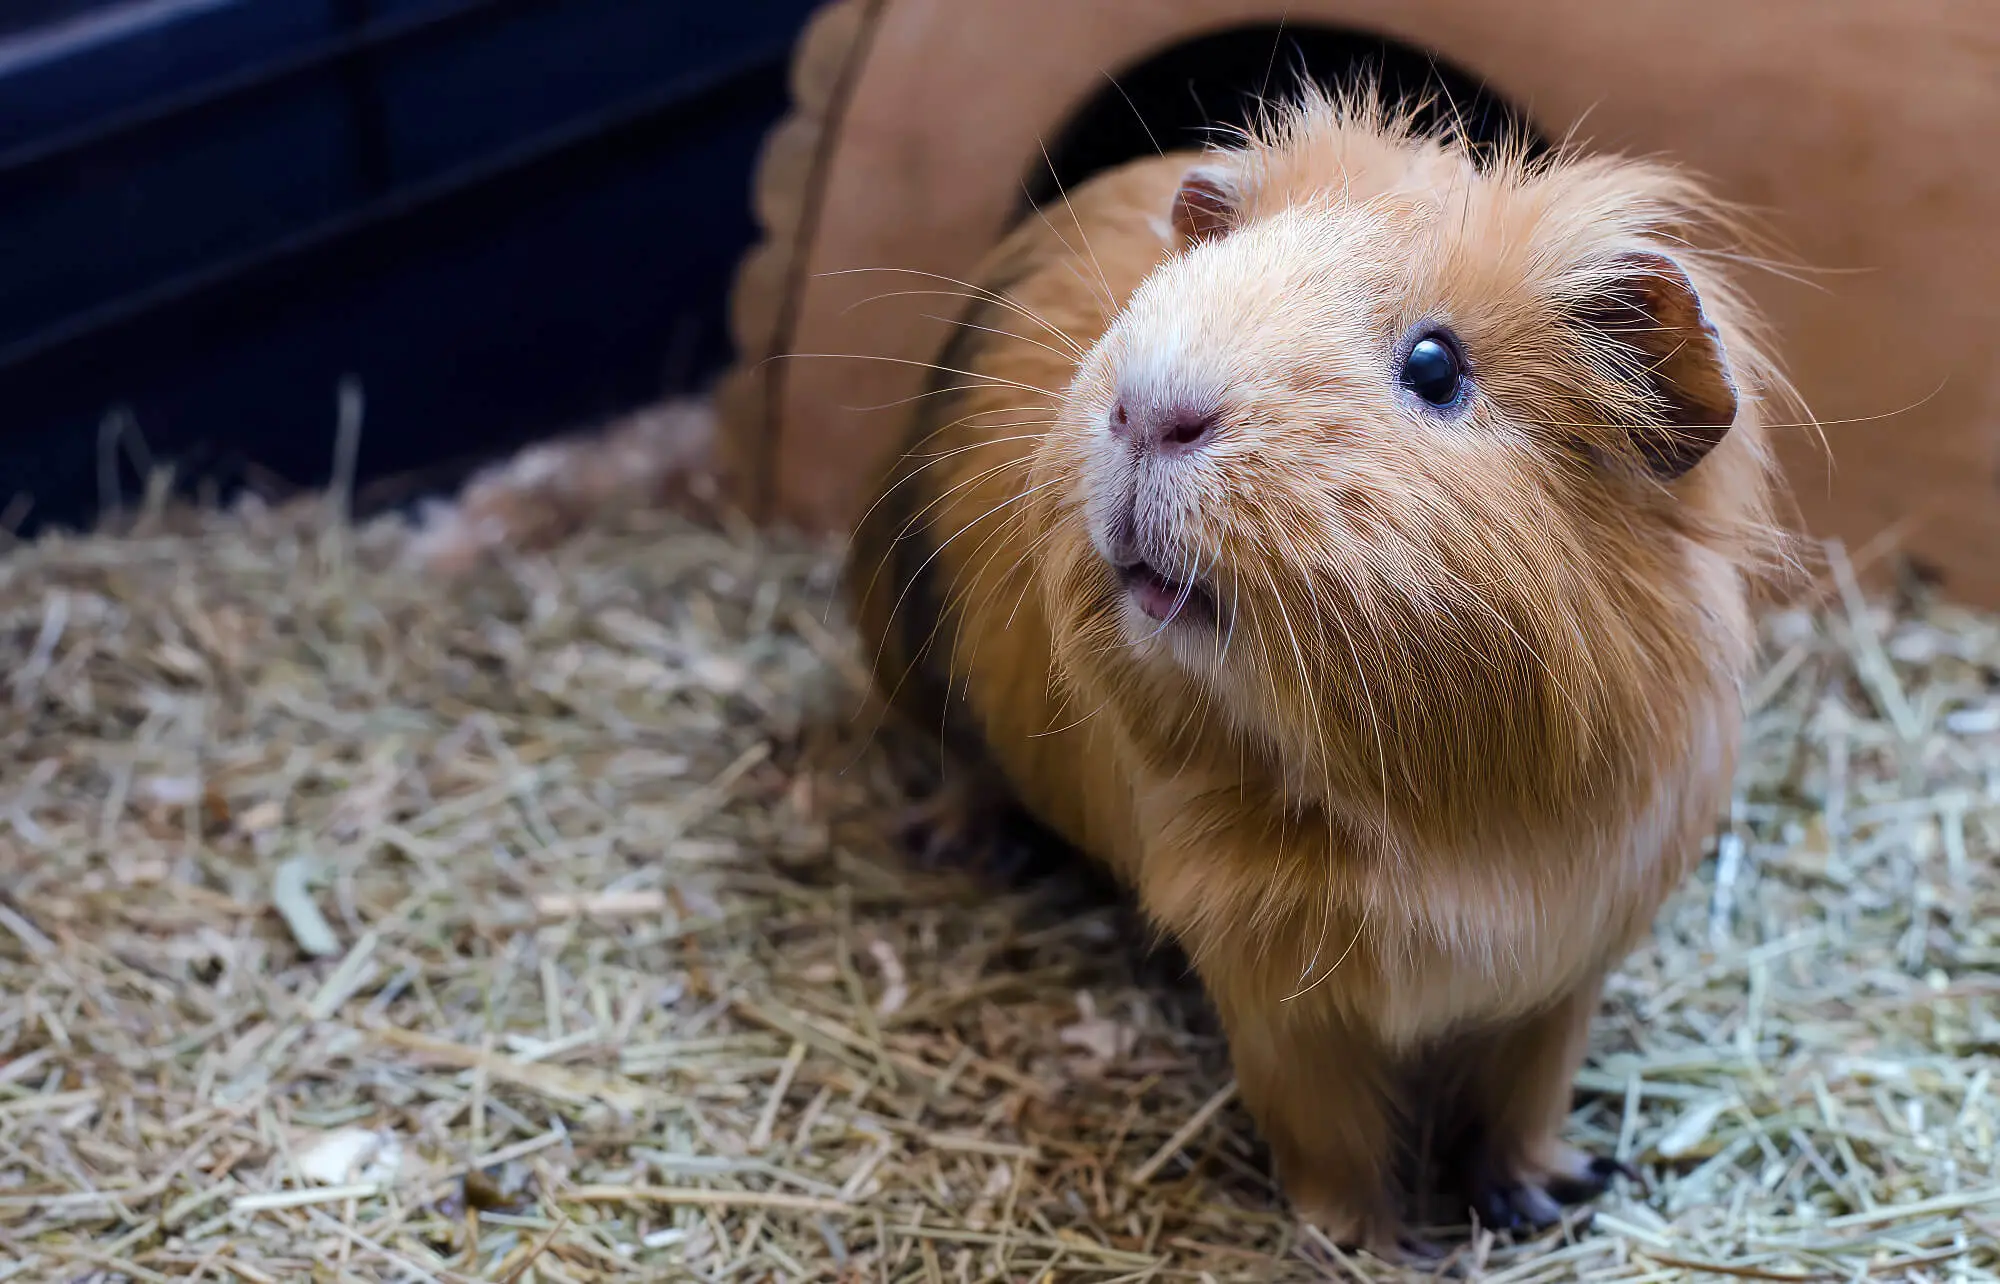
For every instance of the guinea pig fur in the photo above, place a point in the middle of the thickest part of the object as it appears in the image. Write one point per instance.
(1350, 546)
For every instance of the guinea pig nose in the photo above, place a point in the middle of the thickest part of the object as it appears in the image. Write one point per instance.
(1166, 428)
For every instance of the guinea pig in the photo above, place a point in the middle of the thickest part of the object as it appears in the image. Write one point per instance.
(1349, 541)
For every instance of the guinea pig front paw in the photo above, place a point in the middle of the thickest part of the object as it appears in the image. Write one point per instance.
(963, 829)
(1530, 1199)
(1583, 1177)
(951, 829)
(1516, 1207)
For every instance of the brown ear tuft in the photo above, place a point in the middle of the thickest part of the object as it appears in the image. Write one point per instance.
(1652, 311)
(1206, 205)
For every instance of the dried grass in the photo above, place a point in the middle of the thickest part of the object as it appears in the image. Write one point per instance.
(545, 928)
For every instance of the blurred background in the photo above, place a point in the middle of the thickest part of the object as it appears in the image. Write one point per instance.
(503, 217)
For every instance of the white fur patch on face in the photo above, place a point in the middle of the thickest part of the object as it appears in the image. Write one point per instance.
(1165, 365)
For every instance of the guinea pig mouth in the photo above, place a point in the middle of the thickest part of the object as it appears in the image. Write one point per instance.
(1165, 599)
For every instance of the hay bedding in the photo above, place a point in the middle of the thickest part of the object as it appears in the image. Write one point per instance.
(543, 928)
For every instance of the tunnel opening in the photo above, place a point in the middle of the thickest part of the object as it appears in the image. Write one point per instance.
(1189, 95)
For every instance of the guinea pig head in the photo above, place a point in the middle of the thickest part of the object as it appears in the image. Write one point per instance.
(1416, 481)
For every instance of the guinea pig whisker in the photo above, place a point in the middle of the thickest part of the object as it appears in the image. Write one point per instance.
(1187, 588)
(1326, 772)
(1360, 673)
(996, 541)
(1100, 289)
(1468, 594)
(1001, 529)
(949, 390)
(978, 380)
(1004, 334)
(902, 599)
(930, 457)
(910, 526)
(1226, 635)
(952, 390)
(1040, 419)
(1045, 417)
(1023, 553)
(1180, 603)
(1163, 597)
(1027, 582)
(980, 292)
(1198, 715)
(1206, 564)
(1008, 335)
(1104, 284)
(1304, 693)
(1073, 725)
(1071, 349)
(917, 518)
(1360, 926)
(1816, 425)
(1368, 695)
(929, 462)
(994, 581)
(913, 474)
(916, 448)
(958, 636)
(944, 498)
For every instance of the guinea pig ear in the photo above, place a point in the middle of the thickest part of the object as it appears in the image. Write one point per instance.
(1206, 205)
(1650, 308)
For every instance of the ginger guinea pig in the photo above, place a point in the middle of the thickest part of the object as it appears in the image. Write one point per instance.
(1349, 545)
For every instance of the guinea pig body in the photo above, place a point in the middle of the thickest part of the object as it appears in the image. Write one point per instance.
(1350, 546)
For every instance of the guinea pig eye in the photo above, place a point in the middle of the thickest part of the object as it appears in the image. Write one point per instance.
(1434, 370)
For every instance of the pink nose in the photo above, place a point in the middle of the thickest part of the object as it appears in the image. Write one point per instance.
(1169, 429)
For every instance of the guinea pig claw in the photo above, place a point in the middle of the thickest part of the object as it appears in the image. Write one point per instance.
(1607, 1167)
(1596, 1178)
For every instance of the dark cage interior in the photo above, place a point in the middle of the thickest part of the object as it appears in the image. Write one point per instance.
(1204, 90)
(501, 217)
